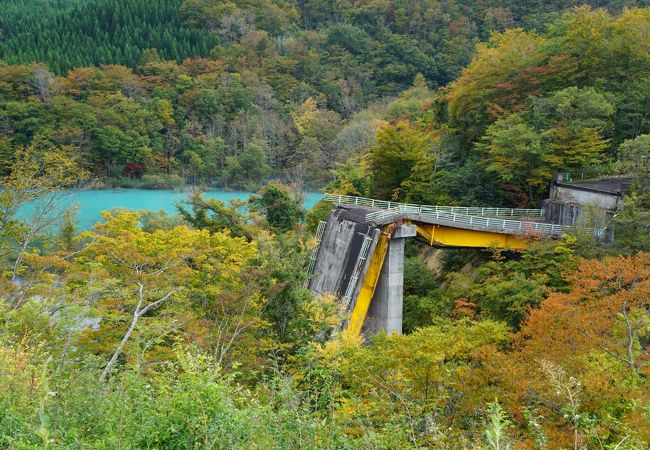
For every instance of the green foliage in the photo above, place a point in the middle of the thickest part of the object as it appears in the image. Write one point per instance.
(190, 404)
(510, 299)
(405, 164)
(548, 102)
(562, 135)
(248, 169)
(424, 300)
(94, 328)
(296, 317)
(516, 154)
(151, 181)
(159, 220)
(634, 160)
(214, 215)
(418, 279)
(392, 159)
(495, 433)
(408, 381)
(351, 178)
(65, 35)
(250, 91)
(507, 289)
(280, 210)
(422, 311)
(632, 226)
(320, 212)
(264, 368)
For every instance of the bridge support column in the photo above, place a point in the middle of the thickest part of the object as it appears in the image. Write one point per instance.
(386, 308)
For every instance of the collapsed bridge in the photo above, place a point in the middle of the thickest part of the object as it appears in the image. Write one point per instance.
(360, 257)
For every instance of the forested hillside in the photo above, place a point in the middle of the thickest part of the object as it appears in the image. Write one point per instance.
(528, 105)
(400, 36)
(195, 330)
(65, 34)
(286, 91)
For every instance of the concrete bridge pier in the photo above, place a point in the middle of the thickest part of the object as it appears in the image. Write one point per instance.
(387, 306)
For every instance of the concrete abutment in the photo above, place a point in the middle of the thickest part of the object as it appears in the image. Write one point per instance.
(387, 307)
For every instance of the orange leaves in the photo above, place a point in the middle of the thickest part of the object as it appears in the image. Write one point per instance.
(606, 312)
(464, 308)
(580, 358)
(496, 65)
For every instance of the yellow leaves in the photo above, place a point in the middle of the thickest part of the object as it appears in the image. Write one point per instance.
(584, 30)
(345, 187)
(201, 286)
(20, 365)
(338, 347)
(634, 25)
(165, 112)
(496, 62)
(53, 261)
(36, 175)
(400, 159)
(235, 250)
(575, 148)
(306, 113)
(126, 251)
(416, 367)
(314, 123)
(176, 259)
(121, 240)
(324, 312)
(512, 46)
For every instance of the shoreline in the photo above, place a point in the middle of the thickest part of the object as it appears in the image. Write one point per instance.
(99, 184)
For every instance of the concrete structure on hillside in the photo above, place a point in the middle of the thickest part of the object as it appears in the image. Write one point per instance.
(585, 203)
(569, 203)
(360, 259)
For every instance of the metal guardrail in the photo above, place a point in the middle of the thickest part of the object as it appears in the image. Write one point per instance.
(489, 223)
(356, 273)
(464, 210)
(314, 253)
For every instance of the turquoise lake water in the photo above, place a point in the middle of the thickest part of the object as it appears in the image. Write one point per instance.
(90, 203)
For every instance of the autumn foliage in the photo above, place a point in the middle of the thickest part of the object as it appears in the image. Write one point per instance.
(192, 331)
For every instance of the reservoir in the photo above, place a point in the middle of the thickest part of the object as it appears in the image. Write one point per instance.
(90, 203)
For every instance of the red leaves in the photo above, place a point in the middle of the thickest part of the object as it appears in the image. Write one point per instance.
(464, 308)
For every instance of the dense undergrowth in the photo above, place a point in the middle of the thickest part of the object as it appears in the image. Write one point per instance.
(196, 331)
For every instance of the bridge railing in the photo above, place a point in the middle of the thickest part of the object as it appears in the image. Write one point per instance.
(422, 209)
(314, 253)
(487, 223)
(356, 273)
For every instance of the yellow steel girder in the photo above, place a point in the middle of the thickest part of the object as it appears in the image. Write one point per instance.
(435, 235)
(458, 237)
(367, 291)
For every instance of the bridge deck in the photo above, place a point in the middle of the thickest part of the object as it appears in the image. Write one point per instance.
(371, 203)
(503, 220)
(475, 223)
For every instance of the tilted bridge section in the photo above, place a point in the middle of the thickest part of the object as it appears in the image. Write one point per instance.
(360, 253)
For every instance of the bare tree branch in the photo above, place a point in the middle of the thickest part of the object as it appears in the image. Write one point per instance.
(137, 313)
